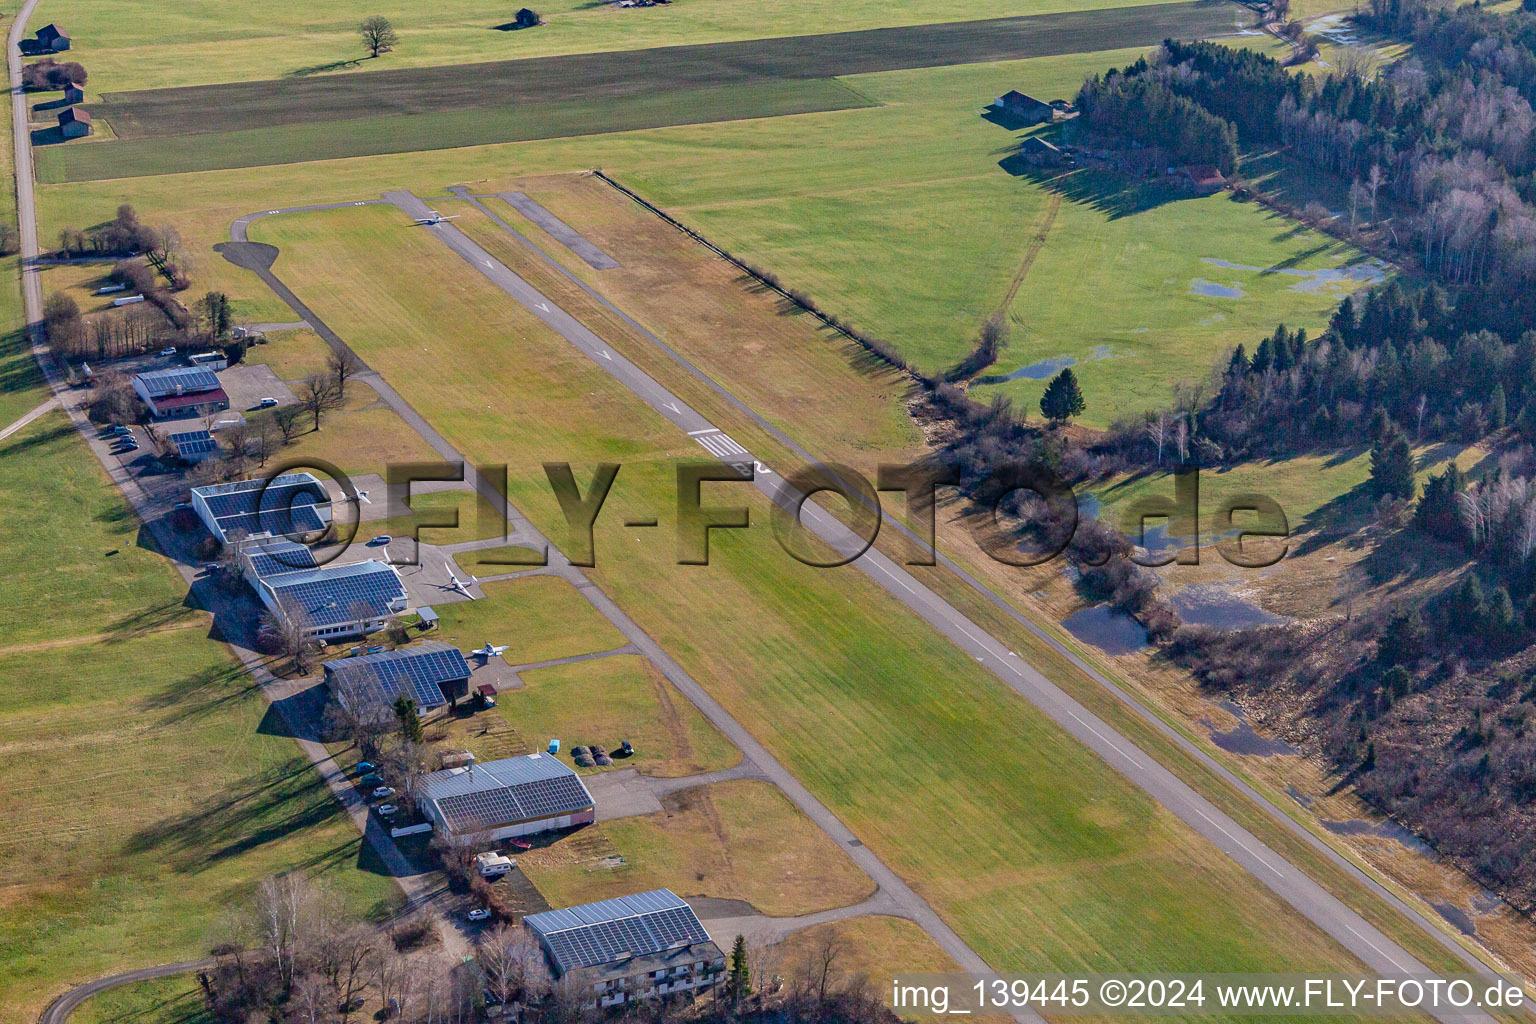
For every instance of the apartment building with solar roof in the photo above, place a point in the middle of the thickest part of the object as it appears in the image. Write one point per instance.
(646, 946)
(516, 796)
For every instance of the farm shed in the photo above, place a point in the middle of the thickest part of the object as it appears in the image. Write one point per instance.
(73, 93)
(1024, 107)
(52, 37)
(74, 123)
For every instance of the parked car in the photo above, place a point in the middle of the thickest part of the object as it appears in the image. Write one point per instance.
(266, 403)
(382, 792)
(479, 914)
(118, 430)
(372, 779)
(388, 810)
(365, 767)
(170, 351)
(182, 506)
(381, 539)
(519, 844)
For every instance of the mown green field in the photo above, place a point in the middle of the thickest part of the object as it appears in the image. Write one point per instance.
(919, 250)
(1036, 852)
(539, 618)
(176, 1000)
(131, 44)
(609, 700)
(145, 785)
(330, 140)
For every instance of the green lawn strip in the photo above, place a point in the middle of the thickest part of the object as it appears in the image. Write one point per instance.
(952, 779)
(91, 571)
(539, 618)
(330, 140)
(147, 788)
(609, 700)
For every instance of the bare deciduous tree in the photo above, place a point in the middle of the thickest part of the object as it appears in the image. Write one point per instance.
(286, 419)
(378, 35)
(317, 396)
(341, 366)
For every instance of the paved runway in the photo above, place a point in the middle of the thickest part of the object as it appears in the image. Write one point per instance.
(1373, 948)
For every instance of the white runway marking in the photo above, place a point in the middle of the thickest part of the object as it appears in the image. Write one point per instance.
(718, 444)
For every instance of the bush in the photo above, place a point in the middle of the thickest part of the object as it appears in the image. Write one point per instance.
(51, 74)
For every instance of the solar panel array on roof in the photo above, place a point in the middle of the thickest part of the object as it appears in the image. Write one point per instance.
(610, 930)
(194, 442)
(543, 798)
(334, 595)
(416, 672)
(299, 520)
(180, 380)
(283, 492)
(276, 557)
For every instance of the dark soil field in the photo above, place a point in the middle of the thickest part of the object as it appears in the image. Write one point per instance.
(613, 75)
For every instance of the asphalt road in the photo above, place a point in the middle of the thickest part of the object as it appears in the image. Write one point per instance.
(59, 1010)
(1373, 948)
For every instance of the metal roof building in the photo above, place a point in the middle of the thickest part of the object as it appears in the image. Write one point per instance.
(515, 796)
(633, 947)
(430, 674)
(181, 391)
(336, 600)
(287, 505)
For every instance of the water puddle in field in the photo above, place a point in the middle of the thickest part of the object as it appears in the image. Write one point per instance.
(1210, 289)
(1323, 281)
(1111, 631)
(1244, 740)
(1045, 368)
(1220, 607)
(1380, 829)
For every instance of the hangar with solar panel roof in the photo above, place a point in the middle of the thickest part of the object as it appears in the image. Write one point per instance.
(431, 674)
(516, 796)
(290, 505)
(644, 946)
(192, 445)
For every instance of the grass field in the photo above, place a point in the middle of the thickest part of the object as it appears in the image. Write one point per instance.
(613, 699)
(88, 568)
(363, 436)
(144, 786)
(128, 44)
(875, 239)
(365, 136)
(1033, 850)
(293, 355)
(538, 617)
(733, 840)
(274, 122)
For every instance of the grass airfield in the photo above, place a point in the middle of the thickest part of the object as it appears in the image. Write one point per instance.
(1083, 872)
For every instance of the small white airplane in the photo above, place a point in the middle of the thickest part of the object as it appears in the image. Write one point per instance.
(362, 496)
(433, 217)
(491, 650)
(461, 586)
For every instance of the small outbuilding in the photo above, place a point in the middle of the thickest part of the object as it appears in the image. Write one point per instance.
(1204, 178)
(74, 123)
(52, 37)
(73, 93)
(1024, 107)
(1042, 152)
